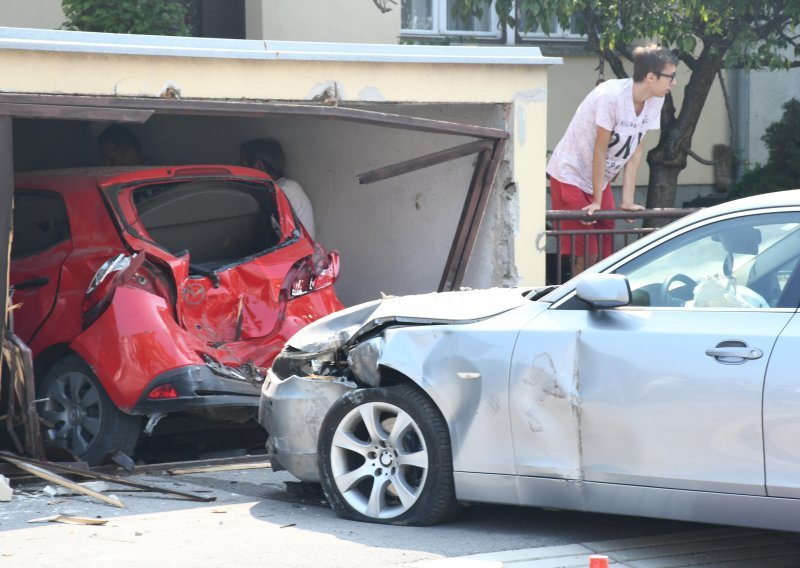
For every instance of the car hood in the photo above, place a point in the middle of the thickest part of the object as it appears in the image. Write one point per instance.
(437, 308)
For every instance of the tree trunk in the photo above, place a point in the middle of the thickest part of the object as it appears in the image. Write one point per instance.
(668, 158)
(661, 190)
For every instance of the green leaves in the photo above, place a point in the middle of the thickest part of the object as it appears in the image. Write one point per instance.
(154, 17)
(747, 34)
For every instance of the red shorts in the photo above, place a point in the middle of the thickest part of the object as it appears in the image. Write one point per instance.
(564, 196)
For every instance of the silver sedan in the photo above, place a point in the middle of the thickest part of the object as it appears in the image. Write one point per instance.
(661, 382)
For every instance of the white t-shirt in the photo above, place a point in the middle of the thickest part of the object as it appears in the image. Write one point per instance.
(300, 203)
(610, 106)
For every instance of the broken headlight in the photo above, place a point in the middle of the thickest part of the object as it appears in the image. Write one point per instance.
(303, 364)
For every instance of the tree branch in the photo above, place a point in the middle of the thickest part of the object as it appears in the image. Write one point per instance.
(383, 5)
(616, 64)
(688, 59)
(776, 25)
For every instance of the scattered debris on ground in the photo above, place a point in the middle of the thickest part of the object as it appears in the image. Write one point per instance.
(70, 520)
(51, 471)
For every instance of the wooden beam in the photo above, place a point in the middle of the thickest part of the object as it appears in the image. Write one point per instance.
(480, 210)
(425, 161)
(471, 215)
(6, 207)
(37, 466)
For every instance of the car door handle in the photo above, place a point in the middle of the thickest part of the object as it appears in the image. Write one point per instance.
(35, 282)
(743, 352)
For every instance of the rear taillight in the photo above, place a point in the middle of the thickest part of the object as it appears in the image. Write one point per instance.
(162, 392)
(314, 272)
(122, 270)
(101, 288)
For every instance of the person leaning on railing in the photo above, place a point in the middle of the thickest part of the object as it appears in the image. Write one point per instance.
(603, 138)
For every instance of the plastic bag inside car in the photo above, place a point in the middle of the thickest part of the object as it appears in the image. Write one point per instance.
(719, 291)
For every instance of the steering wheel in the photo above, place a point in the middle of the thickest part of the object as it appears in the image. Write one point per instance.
(667, 299)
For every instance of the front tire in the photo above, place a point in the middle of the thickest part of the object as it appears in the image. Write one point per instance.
(81, 418)
(385, 457)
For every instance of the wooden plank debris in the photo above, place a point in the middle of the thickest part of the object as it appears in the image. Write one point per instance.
(44, 466)
(70, 520)
(55, 478)
(166, 466)
(214, 468)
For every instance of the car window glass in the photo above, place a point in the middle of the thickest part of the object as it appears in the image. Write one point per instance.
(40, 222)
(745, 262)
(218, 222)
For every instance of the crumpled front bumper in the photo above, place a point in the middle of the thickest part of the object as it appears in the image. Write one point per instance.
(292, 411)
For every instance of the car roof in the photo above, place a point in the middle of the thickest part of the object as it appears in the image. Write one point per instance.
(773, 199)
(112, 175)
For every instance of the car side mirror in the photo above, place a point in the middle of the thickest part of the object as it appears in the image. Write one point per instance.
(603, 290)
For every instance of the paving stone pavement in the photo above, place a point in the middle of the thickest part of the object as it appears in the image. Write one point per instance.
(714, 548)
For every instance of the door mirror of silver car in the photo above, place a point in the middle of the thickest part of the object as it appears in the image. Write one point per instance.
(603, 290)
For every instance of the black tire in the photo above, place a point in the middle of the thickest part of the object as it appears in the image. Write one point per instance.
(419, 463)
(80, 418)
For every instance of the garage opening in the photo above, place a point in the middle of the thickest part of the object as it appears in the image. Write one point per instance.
(397, 234)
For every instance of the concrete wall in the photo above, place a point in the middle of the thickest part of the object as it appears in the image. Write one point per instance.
(46, 14)
(350, 21)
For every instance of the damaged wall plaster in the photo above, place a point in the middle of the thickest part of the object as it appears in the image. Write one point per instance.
(371, 94)
(533, 96)
(330, 92)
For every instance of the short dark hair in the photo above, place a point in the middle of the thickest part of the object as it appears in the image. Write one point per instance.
(119, 136)
(651, 59)
(268, 151)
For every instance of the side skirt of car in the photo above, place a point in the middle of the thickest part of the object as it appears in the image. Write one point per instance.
(611, 498)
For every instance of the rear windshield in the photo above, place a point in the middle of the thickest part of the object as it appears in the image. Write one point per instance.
(217, 222)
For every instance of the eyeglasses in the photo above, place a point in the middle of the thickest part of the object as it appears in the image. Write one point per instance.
(671, 76)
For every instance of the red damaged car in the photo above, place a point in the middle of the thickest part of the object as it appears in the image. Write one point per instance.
(149, 291)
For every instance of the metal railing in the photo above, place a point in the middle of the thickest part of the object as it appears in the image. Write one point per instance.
(561, 265)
